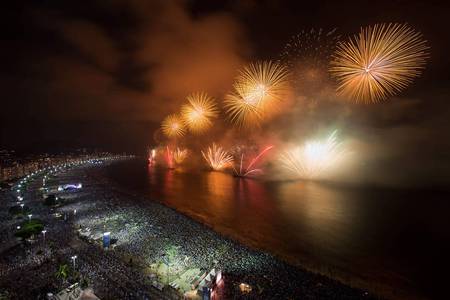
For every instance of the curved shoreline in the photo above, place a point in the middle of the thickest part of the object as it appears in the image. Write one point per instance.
(267, 261)
(302, 263)
(144, 229)
(236, 240)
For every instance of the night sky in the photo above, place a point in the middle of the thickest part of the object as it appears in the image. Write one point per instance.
(104, 73)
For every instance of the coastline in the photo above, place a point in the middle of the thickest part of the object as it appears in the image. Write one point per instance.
(277, 259)
(343, 276)
(143, 229)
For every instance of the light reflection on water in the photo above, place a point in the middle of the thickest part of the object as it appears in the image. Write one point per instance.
(379, 236)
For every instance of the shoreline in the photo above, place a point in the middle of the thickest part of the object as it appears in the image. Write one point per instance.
(144, 229)
(236, 240)
(356, 281)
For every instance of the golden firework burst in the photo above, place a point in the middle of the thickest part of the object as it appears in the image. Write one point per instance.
(180, 155)
(217, 158)
(172, 126)
(256, 92)
(199, 112)
(379, 62)
(242, 109)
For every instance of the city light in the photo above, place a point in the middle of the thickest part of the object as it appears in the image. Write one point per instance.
(74, 259)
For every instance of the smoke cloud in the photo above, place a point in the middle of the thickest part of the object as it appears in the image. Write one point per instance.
(141, 70)
(136, 60)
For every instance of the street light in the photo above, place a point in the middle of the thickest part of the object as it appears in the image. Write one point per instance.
(29, 217)
(73, 259)
(21, 206)
(44, 232)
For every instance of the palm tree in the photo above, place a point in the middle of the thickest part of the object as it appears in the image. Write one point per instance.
(169, 258)
(63, 272)
(172, 253)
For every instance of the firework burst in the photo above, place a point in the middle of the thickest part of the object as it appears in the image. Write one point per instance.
(180, 155)
(217, 158)
(257, 90)
(314, 158)
(199, 112)
(307, 55)
(310, 48)
(242, 109)
(381, 61)
(173, 127)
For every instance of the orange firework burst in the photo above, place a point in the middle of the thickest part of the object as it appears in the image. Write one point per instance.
(381, 61)
(258, 89)
(242, 109)
(217, 158)
(172, 126)
(180, 155)
(199, 112)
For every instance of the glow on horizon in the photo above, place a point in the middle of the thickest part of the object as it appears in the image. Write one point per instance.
(314, 157)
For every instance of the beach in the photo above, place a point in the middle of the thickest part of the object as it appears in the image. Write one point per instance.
(141, 232)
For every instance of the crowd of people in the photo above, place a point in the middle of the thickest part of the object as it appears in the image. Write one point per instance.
(141, 232)
(29, 269)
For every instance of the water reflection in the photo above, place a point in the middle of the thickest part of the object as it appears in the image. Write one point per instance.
(313, 205)
(219, 184)
(219, 187)
(322, 223)
(169, 187)
(371, 233)
(151, 169)
(254, 200)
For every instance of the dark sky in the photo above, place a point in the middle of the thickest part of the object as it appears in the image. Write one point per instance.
(104, 73)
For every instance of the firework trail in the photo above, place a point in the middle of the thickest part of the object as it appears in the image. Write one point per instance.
(379, 62)
(173, 127)
(217, 158)
(257, 90)
(199, 112)
(169, 158)
(250, 170)
(151, 156)
(314, 157)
